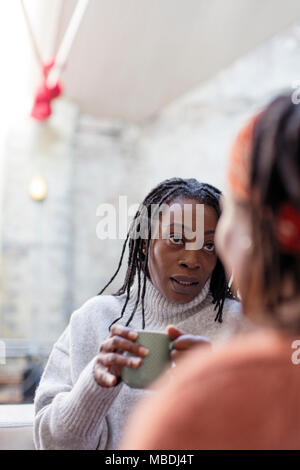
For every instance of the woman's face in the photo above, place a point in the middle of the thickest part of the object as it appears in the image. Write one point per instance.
(179, 265)
(233, 240)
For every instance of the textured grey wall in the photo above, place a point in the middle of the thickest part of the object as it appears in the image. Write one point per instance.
(36, 268)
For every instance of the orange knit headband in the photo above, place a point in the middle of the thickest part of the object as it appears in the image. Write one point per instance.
(239, 161)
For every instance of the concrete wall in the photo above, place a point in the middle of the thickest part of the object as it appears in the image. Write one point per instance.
(36, 267)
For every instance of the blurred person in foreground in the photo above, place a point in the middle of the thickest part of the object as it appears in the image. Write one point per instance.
(246, 394)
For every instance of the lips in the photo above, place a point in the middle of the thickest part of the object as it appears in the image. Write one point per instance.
(184, 280)
(184, 284)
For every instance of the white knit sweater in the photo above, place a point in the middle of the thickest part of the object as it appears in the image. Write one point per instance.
(71, 410)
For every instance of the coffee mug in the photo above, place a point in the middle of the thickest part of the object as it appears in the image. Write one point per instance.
(158, 359)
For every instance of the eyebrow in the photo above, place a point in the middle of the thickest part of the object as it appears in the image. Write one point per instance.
(208, 232)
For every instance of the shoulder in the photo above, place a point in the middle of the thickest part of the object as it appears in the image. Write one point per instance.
(245, 358)
(232, 309)
(96, 314)
(233, 316)
(89, 327)
(231, 367)
(232, 322)
(97, 305)
(219, 385)
(250, 352)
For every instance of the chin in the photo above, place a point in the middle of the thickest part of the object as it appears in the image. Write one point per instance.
(181, 298)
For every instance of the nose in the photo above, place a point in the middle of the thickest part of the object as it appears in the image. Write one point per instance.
(190, 260)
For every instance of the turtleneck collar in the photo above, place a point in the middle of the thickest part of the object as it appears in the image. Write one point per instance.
(159, 310)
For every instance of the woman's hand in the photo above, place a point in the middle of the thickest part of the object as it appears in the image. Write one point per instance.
(110, 360)
(183, 342)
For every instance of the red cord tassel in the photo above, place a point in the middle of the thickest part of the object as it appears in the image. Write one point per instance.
(41, 109)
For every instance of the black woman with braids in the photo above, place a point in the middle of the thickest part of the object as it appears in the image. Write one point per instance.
(174, 283)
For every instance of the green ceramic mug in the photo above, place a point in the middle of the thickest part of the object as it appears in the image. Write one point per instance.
(157, 360)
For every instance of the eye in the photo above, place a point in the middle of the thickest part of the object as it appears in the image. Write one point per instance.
(176, 238)
(209, 246)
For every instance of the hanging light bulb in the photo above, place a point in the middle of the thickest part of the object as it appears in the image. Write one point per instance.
(38, 188)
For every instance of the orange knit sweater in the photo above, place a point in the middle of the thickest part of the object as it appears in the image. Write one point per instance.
(246, 395)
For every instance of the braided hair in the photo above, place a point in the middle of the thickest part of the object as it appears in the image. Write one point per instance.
(164, 193)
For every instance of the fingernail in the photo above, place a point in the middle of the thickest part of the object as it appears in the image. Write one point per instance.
(133, 335)
(143, 350)
(135, 361)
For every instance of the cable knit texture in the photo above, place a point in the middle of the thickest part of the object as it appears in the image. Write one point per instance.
(71, 410)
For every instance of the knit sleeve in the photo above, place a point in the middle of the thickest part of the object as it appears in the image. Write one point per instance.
(71, 415)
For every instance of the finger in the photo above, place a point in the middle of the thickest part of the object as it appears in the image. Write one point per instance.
(176, 355)
(124, 331)
(103, 377)
(189, 341)
(117, 343)
(174, 332)
(113, 359)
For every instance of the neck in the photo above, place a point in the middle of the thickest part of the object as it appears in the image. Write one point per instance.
(159, 310)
